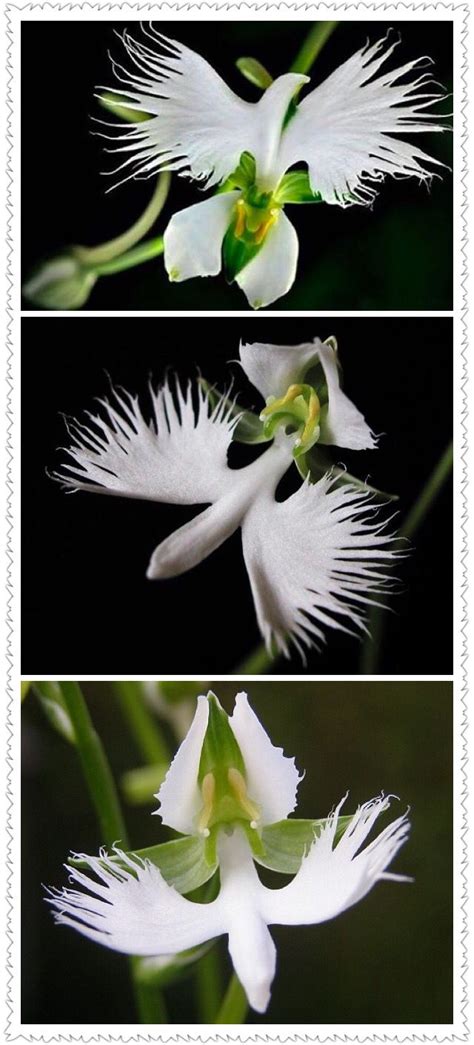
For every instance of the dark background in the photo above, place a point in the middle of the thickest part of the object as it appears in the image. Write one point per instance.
(87, 606)
(387, 960)
(395, 255)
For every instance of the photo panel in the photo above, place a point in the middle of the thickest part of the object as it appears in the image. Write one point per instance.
(343, 200)
(369, 918)
(296, 562)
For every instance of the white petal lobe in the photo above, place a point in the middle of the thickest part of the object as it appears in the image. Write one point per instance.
(344, 424)
(344, 128)
(134, 910)
(314, 561)
(273, 368)
(179, 796)
(193, 237)
(272, 778)
(272, 271)
(179, 456)
(333, 878)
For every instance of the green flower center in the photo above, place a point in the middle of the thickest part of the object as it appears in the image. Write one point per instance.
(300, 410)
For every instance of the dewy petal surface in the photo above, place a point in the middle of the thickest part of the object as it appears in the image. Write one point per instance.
(272, 272)
(331, 879)
(315, 560)
(179, 795)
(344, 128)
(272, 778)
(344, 424)
(180, 456)
(193, 237)
(273, 368)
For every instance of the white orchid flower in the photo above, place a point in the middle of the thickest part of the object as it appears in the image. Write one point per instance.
(316, 559)
(227, 786)
(343, 131)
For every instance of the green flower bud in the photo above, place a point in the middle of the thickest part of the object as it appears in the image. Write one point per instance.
(60, 283)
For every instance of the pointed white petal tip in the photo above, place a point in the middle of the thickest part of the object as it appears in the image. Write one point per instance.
(272, 778)
(179, 796)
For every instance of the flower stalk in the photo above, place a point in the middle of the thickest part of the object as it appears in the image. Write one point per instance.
(312, 46)
(234, 1005)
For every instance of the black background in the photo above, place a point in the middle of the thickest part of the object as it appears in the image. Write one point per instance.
(87, 606)
(395, 255)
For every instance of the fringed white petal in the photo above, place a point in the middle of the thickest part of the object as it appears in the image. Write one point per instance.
(193, 237)
(316, 560)
(272, 271)
(273, 368)
(273, 788)
(198, 126)
(179, 456)
(132, 909)
(331, 879)
(344, 129)
(343, 425)
(179, 795)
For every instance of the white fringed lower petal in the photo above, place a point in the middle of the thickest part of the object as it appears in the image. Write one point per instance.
(316, 560)
(344, 130)
(179, 456)
(333, 878)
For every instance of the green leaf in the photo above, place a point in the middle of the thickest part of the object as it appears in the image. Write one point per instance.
(140, 785)
(295, 188)
(182, 862)
(24, 687)
(254, 71)
(249, 428)
(317, 462)
(286, 842)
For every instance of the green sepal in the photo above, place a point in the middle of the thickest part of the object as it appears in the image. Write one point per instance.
(295, 188)
(220, 750)
(317, 462)
(116, 104)
(255, 72)
(182, 862)
(287, 842)
(141, 784)
(249, 428)
(237, 251)
(52, 705)
(244, 175)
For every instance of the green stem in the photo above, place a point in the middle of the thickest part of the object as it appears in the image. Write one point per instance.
(312, 46)
(151, 249)
(234, 1006)
(142, 725)
(92, 257)
(414, 519)
(208, 986)
(257, 663)
(101, 787)
(95, 766)
(429, 493)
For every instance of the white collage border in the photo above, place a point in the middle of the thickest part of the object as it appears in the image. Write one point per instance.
(10, 726)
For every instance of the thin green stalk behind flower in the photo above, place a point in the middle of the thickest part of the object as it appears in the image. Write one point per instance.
(414, 519)
(144, 728)
(312, 46)
(96, 257)
(101, 787)
(234, 1006)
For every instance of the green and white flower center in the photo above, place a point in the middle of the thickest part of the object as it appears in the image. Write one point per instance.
(252, 223)
(225, 801)
(300, 410)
